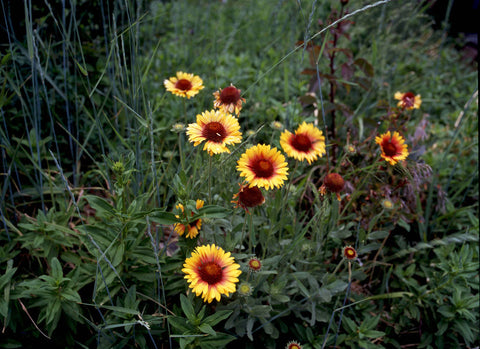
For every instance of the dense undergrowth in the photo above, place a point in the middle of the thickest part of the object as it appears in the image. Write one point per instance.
(100, 178)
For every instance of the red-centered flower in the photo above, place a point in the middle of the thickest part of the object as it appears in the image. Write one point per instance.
(349, 252)
(211, 272)
(307, 143)
(229, 99)
(254, 264)
(184, 84)
(393, 147)
(216, 129)
(248, 197)
(263, 166)
(408, 100)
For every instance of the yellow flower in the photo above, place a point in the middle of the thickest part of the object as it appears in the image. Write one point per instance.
(408, 100)
(228, 99)
(393, 147)
(263, 166)
(307, 143)
(211, 272)
(192, 228)
(217, 129)
(184, 84)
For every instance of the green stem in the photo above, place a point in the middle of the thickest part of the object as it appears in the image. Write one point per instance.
(210, 179)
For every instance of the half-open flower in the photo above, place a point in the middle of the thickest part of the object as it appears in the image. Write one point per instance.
(408, 100)
(184, 84)
(263, 166)
(211, 272)
(393, 147)
(217, 129)
(193, 227)
(308, 143)
(349, 252)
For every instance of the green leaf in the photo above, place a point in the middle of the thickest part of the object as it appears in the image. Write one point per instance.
(57, 272)
(179, 323)
(373, 334)
(211, 211)
(187, 308)
(219, 341)
(206, 328)
(162, 217)
(103, 207)
(219, 315)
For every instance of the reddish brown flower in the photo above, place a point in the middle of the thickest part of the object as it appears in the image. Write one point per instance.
(248, 197)
(229, 99)
(333, 183)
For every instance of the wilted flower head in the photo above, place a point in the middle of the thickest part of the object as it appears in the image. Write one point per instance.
(333, 183)
(229, 99)
(248, 197)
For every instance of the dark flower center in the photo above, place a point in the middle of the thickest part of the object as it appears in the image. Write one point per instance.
(301, 142)
(250, 197)
(334, 182)
(210, 272)
(263, 168)
(183, 84)
(389, 148)
(230, 95)
(408, 100)
(214, 132)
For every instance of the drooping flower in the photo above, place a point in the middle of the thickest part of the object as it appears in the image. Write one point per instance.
(184, 84)
(228, 99)
(263, 166)
(293, 345)
(217, 129)
(211, 272)
(192, 228)
(393, 147)
(248, 197)
(245, 289)
(408, 100)
(254, 264)
(349, 252)
(333, 183)
(308, 143)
